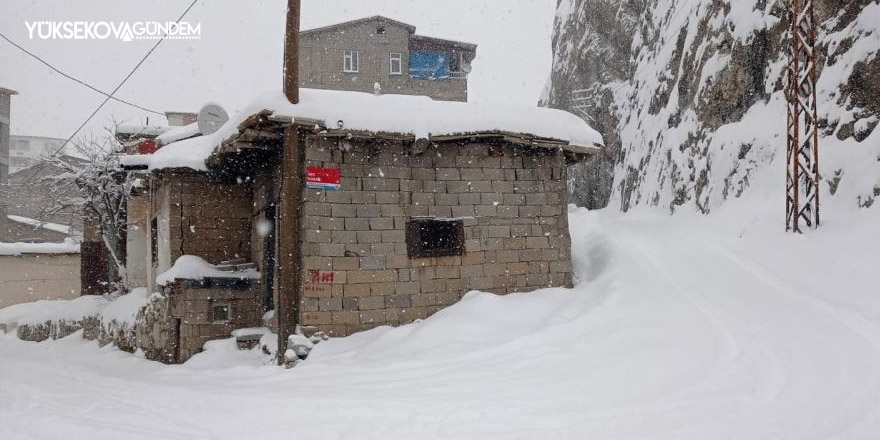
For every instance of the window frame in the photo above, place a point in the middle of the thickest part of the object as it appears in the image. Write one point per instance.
(415, 245)
(391, 59)
(218, 319)
(351, 61)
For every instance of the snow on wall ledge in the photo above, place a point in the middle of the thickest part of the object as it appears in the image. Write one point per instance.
(419, 116)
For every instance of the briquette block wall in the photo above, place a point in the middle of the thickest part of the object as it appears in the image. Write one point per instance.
(357, 274)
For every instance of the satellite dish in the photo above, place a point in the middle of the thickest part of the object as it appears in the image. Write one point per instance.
(211, 118)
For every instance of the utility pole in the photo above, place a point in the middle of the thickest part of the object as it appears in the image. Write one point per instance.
(802, 164)
(291, 52)
(288, 227)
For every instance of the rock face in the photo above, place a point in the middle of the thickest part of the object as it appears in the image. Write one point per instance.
(689, 95)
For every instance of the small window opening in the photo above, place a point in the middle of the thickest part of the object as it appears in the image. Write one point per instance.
(220, 312)
(427, 238)
(396, 63)
(380, 30)
(350, 61)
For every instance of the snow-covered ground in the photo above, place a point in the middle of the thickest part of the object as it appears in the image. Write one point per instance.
(680, 328)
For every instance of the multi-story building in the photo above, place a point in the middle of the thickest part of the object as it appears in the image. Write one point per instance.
(5, 95)
(24, 151)
(357, 55)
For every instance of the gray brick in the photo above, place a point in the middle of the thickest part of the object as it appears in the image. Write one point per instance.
(337, 197)
(440, 211)
(369, 237)
(363, 197)
(411, 185)
(529, 211)
(317, 236)
(397, 301)
(469, 199)
(343, 210)
(448, 174)
(498, 231)
(424, 174)
(357, 224)
(514, 199)
(394, 236)
(368, 211)
(387, 197)
(463, 211)
(372, 262)
(536, 199)
(425, 199)
(471, 174)
(381, 223)
(433, 186)
(502, 186)
(331, 250)
(446, 199)
(344, 237)
(493, 174)
(392, 211)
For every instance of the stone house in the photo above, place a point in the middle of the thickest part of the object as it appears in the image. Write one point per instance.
(357, 55)
(349, 211)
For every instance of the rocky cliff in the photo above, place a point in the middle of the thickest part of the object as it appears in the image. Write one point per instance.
(689, 97)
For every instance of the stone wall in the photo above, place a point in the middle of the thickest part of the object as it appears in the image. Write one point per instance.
(192, 308)
(208, 217)
(357, 273)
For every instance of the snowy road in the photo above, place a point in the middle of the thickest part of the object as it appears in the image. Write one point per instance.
(676, 331)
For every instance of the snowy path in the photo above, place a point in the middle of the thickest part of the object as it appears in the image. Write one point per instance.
(677, 331)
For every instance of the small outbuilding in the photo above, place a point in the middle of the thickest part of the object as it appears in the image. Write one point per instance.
(349, 211)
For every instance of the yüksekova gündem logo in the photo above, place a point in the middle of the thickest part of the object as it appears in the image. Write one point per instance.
(104, 30)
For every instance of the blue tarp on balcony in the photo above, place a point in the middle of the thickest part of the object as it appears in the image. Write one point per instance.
(427, 64)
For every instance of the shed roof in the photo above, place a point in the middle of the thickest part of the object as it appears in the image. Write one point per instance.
(408, 117)
(409, 27)
(6, 91)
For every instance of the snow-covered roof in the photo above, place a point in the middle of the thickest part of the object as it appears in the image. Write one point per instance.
(68, 247)
(179, 133)
(418, 116)
(55, 227)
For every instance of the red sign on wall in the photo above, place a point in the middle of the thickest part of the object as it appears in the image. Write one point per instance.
(323, 178)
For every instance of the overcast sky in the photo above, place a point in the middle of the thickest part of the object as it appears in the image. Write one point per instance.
(239, 55)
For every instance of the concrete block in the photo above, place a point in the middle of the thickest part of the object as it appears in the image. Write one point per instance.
(372, 262)
(397, 301)
(382, 223)
(339, 210)
(369, 210)
(369, 237)
(346, 263)
(331, 250)
(357, 224)
(448, 174)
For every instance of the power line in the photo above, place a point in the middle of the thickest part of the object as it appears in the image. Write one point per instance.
(70, 77)
(109, 96)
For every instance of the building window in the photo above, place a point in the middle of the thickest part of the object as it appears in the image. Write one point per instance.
(380, 30)
(427, 238)
(350, 64)
(396, 63)
(219, 312)
(455, 62)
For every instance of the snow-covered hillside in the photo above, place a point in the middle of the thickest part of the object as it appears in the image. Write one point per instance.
(688, 95)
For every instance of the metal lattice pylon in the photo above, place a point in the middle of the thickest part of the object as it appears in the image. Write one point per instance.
(802, 176)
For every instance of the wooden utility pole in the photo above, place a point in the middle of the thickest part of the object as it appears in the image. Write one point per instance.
(291, 52)
(289, 248)
(802, 159)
